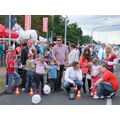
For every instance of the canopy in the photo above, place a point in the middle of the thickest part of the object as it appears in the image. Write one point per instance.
(4, 33)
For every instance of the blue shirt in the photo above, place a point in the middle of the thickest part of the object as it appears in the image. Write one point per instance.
(53, 71)
(40, 49)
(1, 49)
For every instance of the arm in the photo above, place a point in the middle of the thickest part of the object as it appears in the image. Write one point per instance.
(115, 62)
(67, 76)
(58, 68)
(6, 61)
(49, 75)
(53, 57)
(67, 59)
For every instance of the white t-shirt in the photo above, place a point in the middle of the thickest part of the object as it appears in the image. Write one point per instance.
(95, 69)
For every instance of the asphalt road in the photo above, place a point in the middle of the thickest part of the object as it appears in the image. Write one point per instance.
(60, 98)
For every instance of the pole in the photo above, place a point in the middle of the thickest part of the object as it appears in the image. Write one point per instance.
(47, 30)
(9, 29)
(65, 29)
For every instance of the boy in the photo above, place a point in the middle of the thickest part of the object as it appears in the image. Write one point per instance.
(52, 74)
(12, 73)
(30, 72)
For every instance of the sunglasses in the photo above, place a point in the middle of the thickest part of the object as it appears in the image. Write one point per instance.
(59, 40)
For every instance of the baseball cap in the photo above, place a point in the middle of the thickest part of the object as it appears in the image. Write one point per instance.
(30, 54)
(13, 54)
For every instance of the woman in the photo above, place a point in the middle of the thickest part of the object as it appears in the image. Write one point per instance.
(85, 63)
(111, 58)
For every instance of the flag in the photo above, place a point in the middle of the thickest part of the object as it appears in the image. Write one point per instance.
(27, 22)
(45, 24)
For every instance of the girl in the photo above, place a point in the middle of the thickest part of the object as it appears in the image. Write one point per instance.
(41, 65)
(111, 58)
(85, 63)
(95, 72)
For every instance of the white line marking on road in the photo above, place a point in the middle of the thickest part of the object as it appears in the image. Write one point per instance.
(109, 102)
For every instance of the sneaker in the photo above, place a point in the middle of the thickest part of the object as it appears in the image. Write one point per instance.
(23, 89)
(91, 94)
(96, 97)
(111, 95)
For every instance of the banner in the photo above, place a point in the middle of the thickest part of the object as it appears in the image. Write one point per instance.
(45, 24)
(27, 22)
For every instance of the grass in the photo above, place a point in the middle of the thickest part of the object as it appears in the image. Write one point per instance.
(2, 82)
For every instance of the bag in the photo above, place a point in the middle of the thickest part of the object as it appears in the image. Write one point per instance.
(88, 76)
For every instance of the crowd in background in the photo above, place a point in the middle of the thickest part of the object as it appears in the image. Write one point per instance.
(28, 63)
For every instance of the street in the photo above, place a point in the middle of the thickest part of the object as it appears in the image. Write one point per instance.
(60, 98)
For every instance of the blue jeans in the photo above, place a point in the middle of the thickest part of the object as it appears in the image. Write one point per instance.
(10, 79)
(105, 89)
(67, 85)
(1, 60)
(29, 79)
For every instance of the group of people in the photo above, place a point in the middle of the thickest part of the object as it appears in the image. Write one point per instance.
(82, 63)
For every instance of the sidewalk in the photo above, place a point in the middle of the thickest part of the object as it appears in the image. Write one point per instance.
(2, 71)
(2, 79)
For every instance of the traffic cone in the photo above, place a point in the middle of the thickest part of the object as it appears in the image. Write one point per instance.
(95, 95)
(31, 92)
(78, 95)
(17, 91)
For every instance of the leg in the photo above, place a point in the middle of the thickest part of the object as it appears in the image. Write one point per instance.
(60, 74)
(89, 84)
(27, 81)
(79, 84)
(52, 85)
(67, 86)
(84, 79)
(17, 78)
(9, 82)
(24, 79)
(32, 80)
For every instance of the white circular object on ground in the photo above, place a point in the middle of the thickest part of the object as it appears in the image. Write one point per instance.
(46, 89)
(36, 99)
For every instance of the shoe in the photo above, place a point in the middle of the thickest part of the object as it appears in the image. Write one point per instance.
(23, 89)
(111, 95)
(61, 89)
(96, 97)
(91, 94)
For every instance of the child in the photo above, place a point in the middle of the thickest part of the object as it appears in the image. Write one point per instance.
(10, 49)
(95, 72)
(30, 72)
(52, 74)
(40, 71)
(12, 73)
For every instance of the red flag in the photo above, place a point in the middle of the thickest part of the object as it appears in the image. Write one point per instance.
(27, 22)
(45, 24)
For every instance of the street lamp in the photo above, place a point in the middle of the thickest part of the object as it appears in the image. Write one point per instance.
(66, 29)
(95, 28)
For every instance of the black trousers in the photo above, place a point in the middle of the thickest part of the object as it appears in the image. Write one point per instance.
(53, 84)
(59, 75)
(89, 83)
(38, 79)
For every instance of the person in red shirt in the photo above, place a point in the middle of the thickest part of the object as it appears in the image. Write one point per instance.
(107, 85)
(111, 58)
(12, 73)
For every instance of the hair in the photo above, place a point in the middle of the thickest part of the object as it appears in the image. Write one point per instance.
(110, 49)
(86, 56)
(104, 65)
(72, 45)
(51, 45)
(41, 58)
(95, 60)
(74, 64)
(53, 61)
(59, 37)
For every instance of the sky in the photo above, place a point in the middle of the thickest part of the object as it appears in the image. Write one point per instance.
(106, 28)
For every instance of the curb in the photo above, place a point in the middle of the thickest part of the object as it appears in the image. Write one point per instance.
(2, 92)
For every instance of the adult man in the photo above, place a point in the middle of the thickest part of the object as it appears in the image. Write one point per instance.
(73, 55)
(101, 54)
(97, 47)
(73, 77)
(24, 57)
(59, 54)
(80, 49)
(107, 85)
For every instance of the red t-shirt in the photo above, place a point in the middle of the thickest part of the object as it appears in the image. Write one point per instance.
(108, 76)
(11, 70)
(111, 59)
